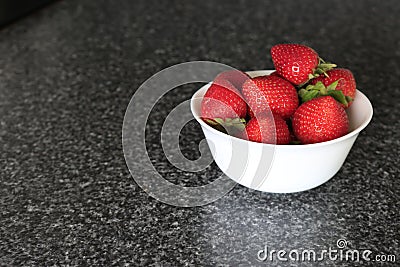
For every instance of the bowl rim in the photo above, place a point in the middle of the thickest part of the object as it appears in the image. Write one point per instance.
(266, 72)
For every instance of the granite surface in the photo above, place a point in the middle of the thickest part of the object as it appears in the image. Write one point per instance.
(67, 73)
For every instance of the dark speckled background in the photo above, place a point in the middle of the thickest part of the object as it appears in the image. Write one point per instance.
(67, 73)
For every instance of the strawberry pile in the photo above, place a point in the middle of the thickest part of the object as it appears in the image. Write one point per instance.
(302, 102)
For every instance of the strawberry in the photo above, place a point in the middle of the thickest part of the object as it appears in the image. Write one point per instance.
(223, 104)
(271, 92)
(250, 113)
(346, 83)
(298, 63)
(320, 119)
(235, 77)
(268, 129)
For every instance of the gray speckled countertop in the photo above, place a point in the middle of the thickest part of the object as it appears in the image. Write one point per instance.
(67, 73)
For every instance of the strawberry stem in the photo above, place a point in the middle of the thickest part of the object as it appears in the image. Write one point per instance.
(323, 67)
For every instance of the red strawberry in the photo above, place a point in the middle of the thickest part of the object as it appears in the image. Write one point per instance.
(271, 92)
(222, 101)
(346, 82)
(267, 129)
(298, 63)
(235, 77)
(250, 113)
(320, 119)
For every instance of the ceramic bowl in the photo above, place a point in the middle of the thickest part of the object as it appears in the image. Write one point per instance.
(282, 168)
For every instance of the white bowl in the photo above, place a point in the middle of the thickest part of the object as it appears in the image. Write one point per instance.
(282, 168)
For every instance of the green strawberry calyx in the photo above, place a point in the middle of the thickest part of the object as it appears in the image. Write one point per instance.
(319, 89)
(321, 69)
(236, 124)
